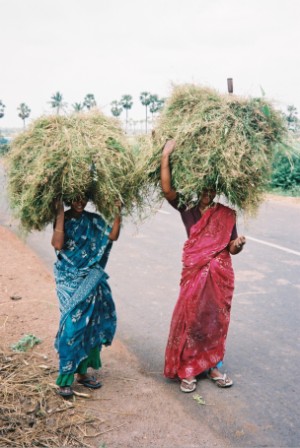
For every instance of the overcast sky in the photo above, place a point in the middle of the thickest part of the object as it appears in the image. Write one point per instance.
(116, 47)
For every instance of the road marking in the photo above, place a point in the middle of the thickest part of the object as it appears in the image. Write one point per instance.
(162, 211)
(285, 249)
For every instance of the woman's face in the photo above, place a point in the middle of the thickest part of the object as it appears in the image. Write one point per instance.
(79, 205)
(207, 197)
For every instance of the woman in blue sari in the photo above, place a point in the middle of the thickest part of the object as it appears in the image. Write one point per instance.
(88, 319)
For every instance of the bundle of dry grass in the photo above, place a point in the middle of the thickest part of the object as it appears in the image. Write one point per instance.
(66, 157)
(31, 414)
(222, 142)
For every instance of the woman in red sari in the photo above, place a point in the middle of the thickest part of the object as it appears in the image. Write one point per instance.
(200, 320)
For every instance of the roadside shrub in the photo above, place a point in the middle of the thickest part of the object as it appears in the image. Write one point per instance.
(4, 148)
(286, 173)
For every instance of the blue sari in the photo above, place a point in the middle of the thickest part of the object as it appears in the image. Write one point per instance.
(88, 317)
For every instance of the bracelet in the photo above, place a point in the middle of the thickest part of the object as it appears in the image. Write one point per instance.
(60, 231)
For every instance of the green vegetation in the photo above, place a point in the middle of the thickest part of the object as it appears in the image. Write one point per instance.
(24, 112)
(145, 98)
(116, 108)
(26, 342)
(89, 101)
(222, 142)
(239, 146)
(70, 157)
(4, 146)
(156, 104)
(286, 173)
(285, 177)
(126, 102)
(57, 102)
(78, 107)
(2, 107)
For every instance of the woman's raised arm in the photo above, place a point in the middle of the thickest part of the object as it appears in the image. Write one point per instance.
(165, 172)
(58, 236)
(115, 231)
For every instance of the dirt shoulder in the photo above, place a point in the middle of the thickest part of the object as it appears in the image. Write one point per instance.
(134, 410)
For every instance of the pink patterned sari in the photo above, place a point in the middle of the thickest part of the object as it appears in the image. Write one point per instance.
(201, 316)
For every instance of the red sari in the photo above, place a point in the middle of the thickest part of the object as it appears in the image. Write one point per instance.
(201, 316)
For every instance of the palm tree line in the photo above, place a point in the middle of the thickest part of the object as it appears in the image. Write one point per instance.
(147, 99)
(151, 102)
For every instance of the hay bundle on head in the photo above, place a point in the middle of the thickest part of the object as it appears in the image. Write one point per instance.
(66, 157)
(222, 142)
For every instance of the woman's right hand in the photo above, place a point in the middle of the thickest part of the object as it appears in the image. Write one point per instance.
(165, 172)
(169, 147)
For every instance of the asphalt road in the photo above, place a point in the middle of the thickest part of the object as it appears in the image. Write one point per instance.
(263, 348)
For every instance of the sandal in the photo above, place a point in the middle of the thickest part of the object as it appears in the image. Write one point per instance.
(188, 386)
(65, 391)
(90, 381)
(221, 381)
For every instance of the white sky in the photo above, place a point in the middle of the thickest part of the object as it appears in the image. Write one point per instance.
(115, 47)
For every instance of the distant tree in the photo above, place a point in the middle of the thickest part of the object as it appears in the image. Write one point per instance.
(57, 102)
(78, 107)
(126, 102)
(116, 108)
(89, 101)
(156, 104)
(145, 98)
(292, 118)
(24, 112)
(2, 107)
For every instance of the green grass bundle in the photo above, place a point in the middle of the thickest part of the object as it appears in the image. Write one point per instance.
(223, 142)
(66, 157)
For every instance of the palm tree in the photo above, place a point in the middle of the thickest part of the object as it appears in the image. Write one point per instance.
(292, 119)
(145, 98)
(126, 102)
(2, 107)
(57, 102)
(156, 104)
(78, 107)
(89, 101)
(24, 112)
(116, 108)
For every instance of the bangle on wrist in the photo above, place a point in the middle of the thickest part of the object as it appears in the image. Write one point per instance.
(60, 231)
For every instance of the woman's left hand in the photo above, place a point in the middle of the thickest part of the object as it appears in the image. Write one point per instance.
(240, 241)
(237, 245)
(115, 231)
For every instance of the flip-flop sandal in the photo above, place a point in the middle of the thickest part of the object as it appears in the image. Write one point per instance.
(90, 382)
(188, 386)
(65, 391)
(221, 381)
